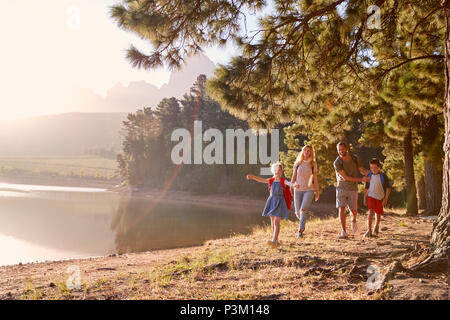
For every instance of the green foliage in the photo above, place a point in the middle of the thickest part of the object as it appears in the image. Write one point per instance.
(316, 67)
(146, 158)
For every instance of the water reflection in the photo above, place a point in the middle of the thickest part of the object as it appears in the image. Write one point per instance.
(63, 221)
(14, 250)
(141, 225)
(30, 187)
(38, 224)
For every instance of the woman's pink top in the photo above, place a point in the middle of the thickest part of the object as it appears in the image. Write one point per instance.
(304, 173)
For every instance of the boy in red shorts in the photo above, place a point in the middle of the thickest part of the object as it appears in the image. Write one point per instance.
(376, 195)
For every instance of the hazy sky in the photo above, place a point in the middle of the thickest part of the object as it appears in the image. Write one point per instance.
(45, 55)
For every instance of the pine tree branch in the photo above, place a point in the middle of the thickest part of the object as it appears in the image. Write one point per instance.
(431, 56)
(417, 25)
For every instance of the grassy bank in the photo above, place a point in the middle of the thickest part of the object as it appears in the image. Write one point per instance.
(319, 266)
(73, 166)
(68, 171)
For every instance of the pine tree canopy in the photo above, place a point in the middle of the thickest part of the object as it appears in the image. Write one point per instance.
(318, 65)
(305, 58)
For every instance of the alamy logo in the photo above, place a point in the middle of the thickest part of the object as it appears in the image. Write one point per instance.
(374, 20)
(374, 280)
(74, 19)
(74, 280)
(213, 153)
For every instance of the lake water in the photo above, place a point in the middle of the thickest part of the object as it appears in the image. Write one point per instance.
(39, 223)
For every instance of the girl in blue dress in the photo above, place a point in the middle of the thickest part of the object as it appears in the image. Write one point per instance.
(276, 207)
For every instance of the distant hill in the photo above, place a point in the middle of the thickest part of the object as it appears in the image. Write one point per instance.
(96, 122)
(61, 134)
(141, 94)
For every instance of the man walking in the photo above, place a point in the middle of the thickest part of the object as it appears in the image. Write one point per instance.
(347, 166)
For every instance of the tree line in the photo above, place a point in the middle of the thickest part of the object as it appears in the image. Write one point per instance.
(145, 161)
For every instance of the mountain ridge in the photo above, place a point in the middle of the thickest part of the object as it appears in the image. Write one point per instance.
(139, 94)
(65, 134)
(94, 122)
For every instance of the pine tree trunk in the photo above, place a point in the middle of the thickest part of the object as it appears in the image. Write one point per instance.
(439, 258)
(433, 161)
(433, 187)
(421, 194)
(411, 197)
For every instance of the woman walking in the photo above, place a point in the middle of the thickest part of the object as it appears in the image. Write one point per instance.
(304, 177)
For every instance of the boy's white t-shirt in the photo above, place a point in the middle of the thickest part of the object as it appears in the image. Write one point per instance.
(376, 189)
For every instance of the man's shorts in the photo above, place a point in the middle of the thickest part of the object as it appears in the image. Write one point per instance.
(375, 205)
(347, 198)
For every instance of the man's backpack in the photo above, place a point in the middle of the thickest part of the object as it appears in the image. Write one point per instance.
(338, 159)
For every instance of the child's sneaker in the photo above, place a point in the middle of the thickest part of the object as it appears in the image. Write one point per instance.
(368, 234)
(299, 234)
(375, 232)
(343, 235)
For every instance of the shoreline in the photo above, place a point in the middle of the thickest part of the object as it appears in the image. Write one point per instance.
(322, 211)
(215, 200)
(319, 266)
(58, 181)
(212, 200)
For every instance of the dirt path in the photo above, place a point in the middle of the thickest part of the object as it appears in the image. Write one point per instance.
(318, 266)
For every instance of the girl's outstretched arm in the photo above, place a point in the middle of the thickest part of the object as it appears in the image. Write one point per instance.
(289, 183)
(259, 179)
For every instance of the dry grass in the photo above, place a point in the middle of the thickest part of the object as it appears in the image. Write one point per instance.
(318, 266)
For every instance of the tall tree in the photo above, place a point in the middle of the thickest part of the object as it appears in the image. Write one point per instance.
(433, 161)
(440, 237)
(140, 131)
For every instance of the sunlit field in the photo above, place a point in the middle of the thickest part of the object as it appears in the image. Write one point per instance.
(73, 166)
